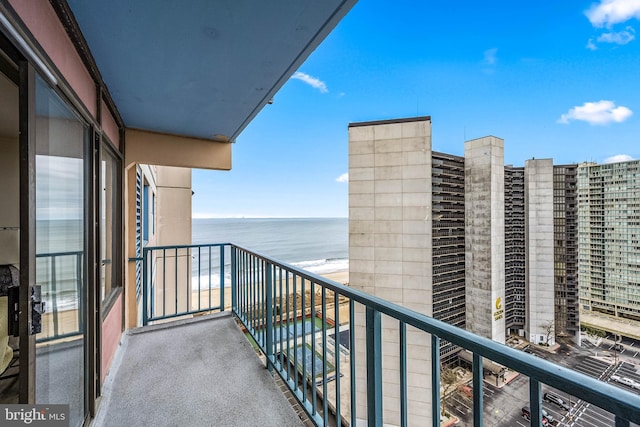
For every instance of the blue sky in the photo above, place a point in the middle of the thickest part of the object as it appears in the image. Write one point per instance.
(557, 79)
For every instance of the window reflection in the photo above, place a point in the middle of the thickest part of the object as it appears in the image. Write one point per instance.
(61, 140)
(109, 224)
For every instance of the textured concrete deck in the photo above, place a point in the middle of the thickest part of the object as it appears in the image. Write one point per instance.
(198, 372)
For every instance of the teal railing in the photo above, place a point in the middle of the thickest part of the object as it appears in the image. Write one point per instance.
(60, 275)
(294, 317)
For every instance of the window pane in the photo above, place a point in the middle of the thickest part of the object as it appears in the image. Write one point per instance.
(109, 221)
(61, 140)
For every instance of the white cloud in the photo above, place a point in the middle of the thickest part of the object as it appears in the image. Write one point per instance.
(618, 158)
(490, 57)
(610, 12)
(597, 113)
(314, 82)
(591, 45)
(621, 37)
(343, 178)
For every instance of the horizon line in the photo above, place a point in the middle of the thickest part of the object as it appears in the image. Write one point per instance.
(205, 216)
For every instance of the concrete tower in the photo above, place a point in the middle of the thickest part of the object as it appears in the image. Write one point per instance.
(484, 237)
(390, 251)
(539, 252)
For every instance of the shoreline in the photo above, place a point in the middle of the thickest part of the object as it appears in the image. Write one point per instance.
(341, 277)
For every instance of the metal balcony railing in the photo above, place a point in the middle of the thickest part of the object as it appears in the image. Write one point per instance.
(60, 275)
(306, 327)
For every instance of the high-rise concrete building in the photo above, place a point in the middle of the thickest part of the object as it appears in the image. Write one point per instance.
(609, 238)
(484, 237)
(514, 258)
(390, 250)
(565, 238)
(565, 252)
(539, 251)
(448, 222)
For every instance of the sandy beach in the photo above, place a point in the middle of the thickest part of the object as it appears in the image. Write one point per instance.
(339, 276)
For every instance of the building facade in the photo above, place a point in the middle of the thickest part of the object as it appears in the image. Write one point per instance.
(514, 252)
(539, 251)
(609, 239)
(391, 250)
(565, 238)
(484, 237)
(448, 223)
(503, 248)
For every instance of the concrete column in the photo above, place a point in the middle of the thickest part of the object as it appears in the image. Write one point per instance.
(173, 222)
(484, 237)
(539, 251)
(390, 241)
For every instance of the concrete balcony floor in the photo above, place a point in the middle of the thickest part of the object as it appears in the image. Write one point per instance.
(195, 372)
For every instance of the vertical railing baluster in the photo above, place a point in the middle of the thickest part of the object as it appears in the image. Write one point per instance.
(199, 276)
(258, 281)
(241, 281)
(403, 374)
(435, 380)
(374, 367)
(145, 288)
(152, 301)
(280, 309)
(478, 410)
(325, 397)
(175, 264)
(234, 281)
(79, 285)
(262, 298)
(314, 392)
(244, 285)
(221, 278)
(304, 341)
(253, 289)
(269, 317)
(534, 402)
(164, 282)
(336, 316)
(187, 272)
(54, 296)
(295, 331)
(209, 272)
(288, 327)
(352, 359)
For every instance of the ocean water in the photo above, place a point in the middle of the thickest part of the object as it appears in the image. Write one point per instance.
(319, 245)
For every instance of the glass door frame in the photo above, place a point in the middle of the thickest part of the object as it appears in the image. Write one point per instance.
(26, 76)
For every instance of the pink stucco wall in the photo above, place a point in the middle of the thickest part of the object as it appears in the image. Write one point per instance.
(42, 21)
(111, 331)
(109, 126)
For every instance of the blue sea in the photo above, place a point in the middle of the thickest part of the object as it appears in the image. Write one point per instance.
(319, 245)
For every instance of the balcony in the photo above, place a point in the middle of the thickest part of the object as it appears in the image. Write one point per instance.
(322, 340)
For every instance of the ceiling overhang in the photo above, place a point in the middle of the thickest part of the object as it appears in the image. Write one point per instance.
(201, 68)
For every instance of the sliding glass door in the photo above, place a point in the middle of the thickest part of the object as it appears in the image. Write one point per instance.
(61, 207)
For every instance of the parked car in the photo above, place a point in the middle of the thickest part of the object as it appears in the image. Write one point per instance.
(526, 414)
(626, 381)
(556, 400)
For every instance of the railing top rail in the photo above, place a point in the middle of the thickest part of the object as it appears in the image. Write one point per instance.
(196, 245)
(52, 254)
(604, 395)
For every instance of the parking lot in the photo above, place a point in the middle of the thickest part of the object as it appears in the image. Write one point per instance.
(503, 406)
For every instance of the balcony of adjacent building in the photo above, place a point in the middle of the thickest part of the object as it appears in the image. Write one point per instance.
(233, 337)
